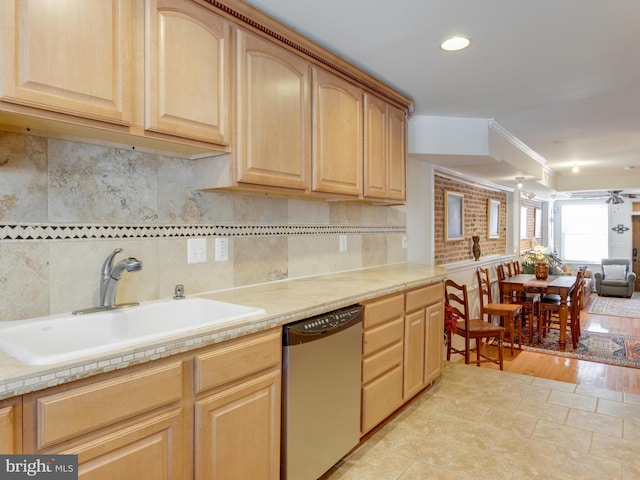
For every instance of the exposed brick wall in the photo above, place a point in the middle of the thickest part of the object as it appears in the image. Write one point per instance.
(475, 222)
(527, 243)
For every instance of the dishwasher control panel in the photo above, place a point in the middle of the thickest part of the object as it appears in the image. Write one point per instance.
(324, 324)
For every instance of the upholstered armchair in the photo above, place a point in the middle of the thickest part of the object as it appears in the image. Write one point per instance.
(616, 278)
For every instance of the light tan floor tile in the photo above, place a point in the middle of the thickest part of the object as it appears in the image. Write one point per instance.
(618, 409)
(531, 392)
(478, 462)
(630, 471)
(419, 471)
(543, 411)
(632, 398)
(524, 452)
(598, 392)
(618, 449)
(554, 385)
(595, 422)
(375, 463)
(586, 467)
(562, 436)
(632, 430)
(513, 423)
(571, 400)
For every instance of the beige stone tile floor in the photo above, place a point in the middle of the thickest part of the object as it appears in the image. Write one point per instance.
(477, 423)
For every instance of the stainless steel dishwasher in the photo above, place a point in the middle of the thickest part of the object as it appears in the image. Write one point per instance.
(320, 392)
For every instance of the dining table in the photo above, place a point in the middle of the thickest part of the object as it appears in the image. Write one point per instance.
(561, 285)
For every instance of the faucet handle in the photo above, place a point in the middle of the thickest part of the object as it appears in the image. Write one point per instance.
(179, 292)
(106, 266)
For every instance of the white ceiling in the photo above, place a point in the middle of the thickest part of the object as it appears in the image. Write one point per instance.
(563, 76)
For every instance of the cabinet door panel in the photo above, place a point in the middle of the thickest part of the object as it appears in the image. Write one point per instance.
(337, 135)
(414, 338)
(69, 56)
(397, 153)
(238, 431)
(273, 115)
(375, 148)
(187, 81)
(148, 450)
(11, 426)
(434, 332)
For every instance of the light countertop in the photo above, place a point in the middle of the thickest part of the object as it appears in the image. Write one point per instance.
(283, 301)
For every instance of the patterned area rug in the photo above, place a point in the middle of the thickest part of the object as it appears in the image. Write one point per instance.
(620, 307)
(621, 350)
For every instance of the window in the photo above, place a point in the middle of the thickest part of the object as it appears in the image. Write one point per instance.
(584, 232)
(523, 222)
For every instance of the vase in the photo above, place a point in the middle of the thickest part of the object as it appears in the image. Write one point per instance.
(542, 270)
(476, 247)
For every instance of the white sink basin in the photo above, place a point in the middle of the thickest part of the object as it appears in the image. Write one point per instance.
(58, 338)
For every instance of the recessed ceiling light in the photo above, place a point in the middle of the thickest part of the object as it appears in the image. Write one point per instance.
(575, 169)
(454, 44)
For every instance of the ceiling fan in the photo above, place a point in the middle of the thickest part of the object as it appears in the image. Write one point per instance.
(614, 197)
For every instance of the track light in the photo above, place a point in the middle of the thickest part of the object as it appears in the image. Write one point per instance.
(531, 195)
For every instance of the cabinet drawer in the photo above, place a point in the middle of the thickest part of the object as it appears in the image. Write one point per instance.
(236, 359)
(380, 362)
(84, 409)
(381, 398)
(424, 296)
(382, 310)
(379, 337)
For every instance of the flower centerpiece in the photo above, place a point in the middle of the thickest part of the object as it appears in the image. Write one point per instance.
(450, 321)
(538, 255)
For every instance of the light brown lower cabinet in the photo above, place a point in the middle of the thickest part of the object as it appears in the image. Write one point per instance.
(402, 350)
(209, 414)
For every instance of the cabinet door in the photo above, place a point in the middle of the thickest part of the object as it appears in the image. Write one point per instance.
(397, 153)
(434, 341)
(337, 135)
(273, 144)
(375, 148)
(11, 426)
(151, 449)
(414, 359)
(69, 56)
(187, 81)
(238, 431)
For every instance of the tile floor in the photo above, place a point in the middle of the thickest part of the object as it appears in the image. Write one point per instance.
(478, 423)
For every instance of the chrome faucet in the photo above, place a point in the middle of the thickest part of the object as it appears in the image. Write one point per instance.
(111, 276)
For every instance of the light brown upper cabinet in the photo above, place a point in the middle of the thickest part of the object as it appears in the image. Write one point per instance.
(384, 151)
(272, 144)
(187, 82)
(337, 135)
(72, 57)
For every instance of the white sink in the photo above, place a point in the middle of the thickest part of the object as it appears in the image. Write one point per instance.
(58, 338)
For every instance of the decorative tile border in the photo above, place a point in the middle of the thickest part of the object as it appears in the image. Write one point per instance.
(43, 231)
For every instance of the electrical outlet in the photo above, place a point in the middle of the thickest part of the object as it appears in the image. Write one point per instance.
(221, 249)
(404, 241)
(196, 250)
(343, 243)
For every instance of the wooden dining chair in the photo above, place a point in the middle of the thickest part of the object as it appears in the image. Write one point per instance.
(530, 302)
(510, 314)
(457, 298)
(550, 311)
(516, 267)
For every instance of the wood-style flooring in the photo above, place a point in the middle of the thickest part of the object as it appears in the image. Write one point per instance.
(611, 377)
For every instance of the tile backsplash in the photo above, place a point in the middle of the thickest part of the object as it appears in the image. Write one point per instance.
(64, 206)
